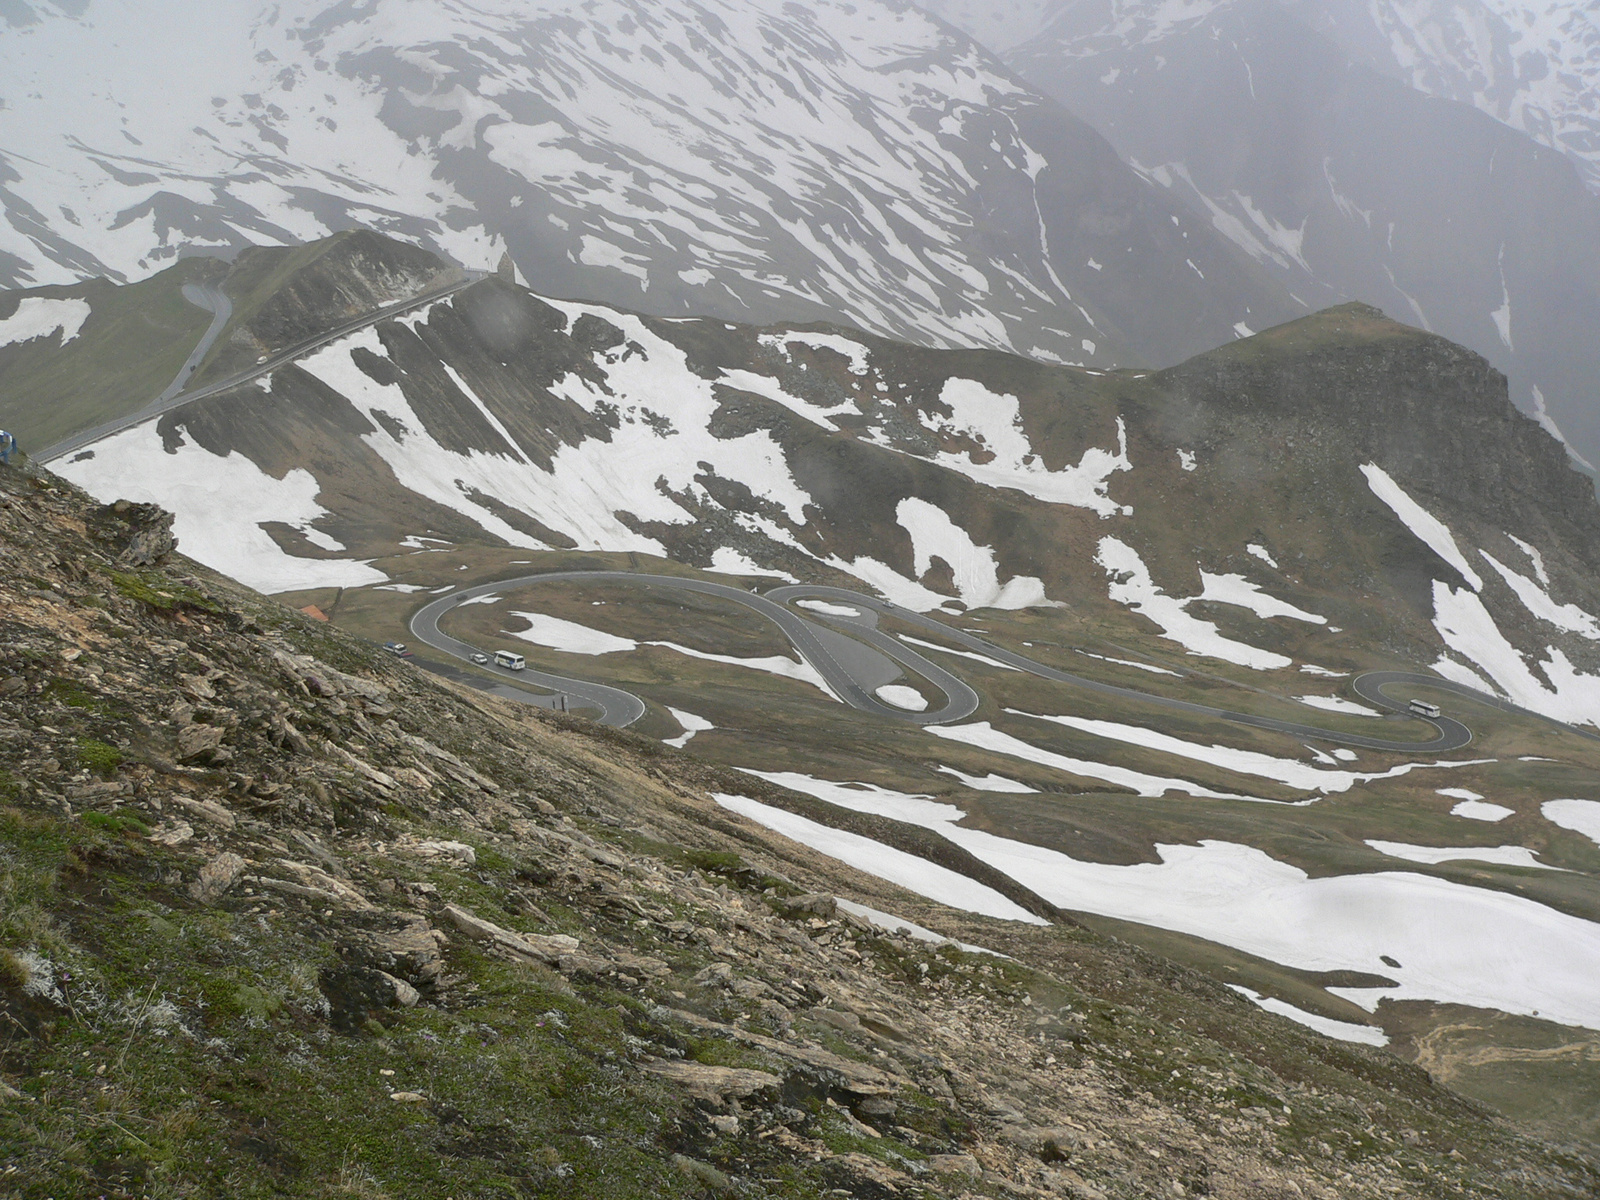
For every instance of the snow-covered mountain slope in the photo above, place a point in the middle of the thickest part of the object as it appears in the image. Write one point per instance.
(1349, 183)
(858, 162)
(1177, 501)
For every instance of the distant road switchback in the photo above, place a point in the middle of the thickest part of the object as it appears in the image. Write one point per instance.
(843, 677)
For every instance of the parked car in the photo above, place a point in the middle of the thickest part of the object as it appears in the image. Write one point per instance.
(481, 659)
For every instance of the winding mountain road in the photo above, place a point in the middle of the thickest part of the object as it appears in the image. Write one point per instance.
(1452, 733)
(215, 301)
(960, 700)
(622, 708)
(213, 298)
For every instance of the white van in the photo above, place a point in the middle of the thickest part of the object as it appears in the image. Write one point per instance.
(1423, 709)
(508, 660)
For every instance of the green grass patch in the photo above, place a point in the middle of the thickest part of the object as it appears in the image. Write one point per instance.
(116, 824)
(160, 592)
(136, 338)
(98, 756)
(73, 695)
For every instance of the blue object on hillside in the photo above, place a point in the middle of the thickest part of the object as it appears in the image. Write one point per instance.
(7, 444)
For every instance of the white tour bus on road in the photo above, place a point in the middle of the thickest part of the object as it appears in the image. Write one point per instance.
(1423, 709)
(508, 660)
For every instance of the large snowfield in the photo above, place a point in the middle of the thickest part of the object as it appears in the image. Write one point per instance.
(1455, 944)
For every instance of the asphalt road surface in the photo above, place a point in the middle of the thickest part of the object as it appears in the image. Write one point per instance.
(960, 700)
(1452, 733)
(616, 706)
(215, 300)
(621, 708)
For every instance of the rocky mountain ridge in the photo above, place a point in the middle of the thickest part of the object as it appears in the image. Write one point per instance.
(284, 915)
(497, 417)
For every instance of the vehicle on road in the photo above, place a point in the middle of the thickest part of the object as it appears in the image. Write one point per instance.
(510, 661)
(481, 659)
(395, 647)
(1423, 709)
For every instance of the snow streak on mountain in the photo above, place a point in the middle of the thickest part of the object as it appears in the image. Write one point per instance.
(858, 162)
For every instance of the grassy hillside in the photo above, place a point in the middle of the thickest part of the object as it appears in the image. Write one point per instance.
(132, 345)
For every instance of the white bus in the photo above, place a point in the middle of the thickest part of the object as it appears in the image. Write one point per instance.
(508, 660)
(1423, 709)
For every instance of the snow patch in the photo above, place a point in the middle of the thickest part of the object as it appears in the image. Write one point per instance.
(976, 657)
(1568, 618)
(994, 421)
(219, 506)
(1468, 629)
(690, 724)
(985, 736)
(725, 560)
(1131, 585)
(896, 924)
(38, 316)
(1580, 816)
(1478, 810)
(827, 609)
(1504, 856)
(854, 352)
(977, 580)
(568, 636)
(1541, 414)
(990, 782)
(1429, 529)
(901, 696)
(1262, 553)
(1339, 704)
(1458, 944)
(1237, 590)
(777, 664)
(1128, 662)
(1286, 771)
(1344, 1031)
(915, 874)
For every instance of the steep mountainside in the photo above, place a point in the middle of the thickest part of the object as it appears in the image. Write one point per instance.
(1098, 640)
(1533, 67)
(1348, 183)
(823, 455)
(855, 162)
(280, 918)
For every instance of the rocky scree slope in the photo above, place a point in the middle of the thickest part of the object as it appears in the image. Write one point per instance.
(750, 160)
(283, 916)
